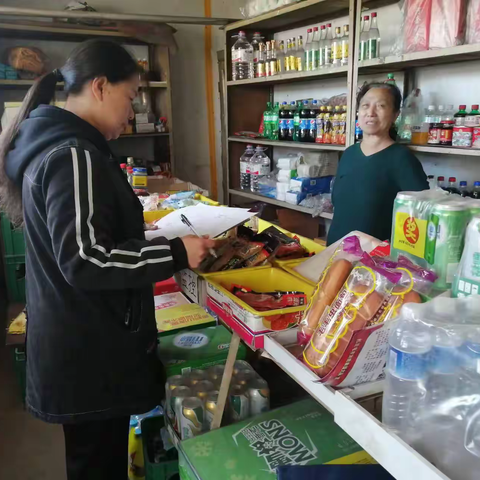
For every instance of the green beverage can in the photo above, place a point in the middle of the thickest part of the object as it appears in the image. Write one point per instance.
(238, 403)
(445, 239)
(172, 383)
(192, 417)
(176, 400)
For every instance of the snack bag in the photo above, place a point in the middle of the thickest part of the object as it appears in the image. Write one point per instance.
(360, 303)
(333, 277)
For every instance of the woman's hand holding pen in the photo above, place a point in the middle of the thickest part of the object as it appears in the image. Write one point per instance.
(197, 249)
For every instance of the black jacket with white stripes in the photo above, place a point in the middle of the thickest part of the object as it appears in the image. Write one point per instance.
(91, 331)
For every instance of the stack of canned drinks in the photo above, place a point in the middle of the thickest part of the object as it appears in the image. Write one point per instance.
(191, 399)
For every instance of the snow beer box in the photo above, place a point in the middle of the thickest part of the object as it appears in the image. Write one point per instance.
(303, 433)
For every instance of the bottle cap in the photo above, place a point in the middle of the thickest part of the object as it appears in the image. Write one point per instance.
(366, 17)
(474, 107)
(476, 184)
(241, 33)
(123, 165)
(305, 102)
(315, 29)
(322, 27)
(452, 179)
(462, 107)
(257, 33)
(309, 30)
(329, 25)
(463, 183)
(374, 14)
(441, 179)
(430, 176)
(284, 103)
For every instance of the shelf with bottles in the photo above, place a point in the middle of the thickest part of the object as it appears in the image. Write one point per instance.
(324, 52)
(286, 144)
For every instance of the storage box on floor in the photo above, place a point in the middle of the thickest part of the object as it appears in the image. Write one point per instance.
(303, 433)
(14, 259)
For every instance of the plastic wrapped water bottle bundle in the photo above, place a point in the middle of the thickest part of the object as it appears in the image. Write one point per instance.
(432, 388)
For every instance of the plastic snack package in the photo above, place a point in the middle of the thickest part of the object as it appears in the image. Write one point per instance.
(473, 22)
(359, 304)
(447, 25)
(333, 277)
(417, 15)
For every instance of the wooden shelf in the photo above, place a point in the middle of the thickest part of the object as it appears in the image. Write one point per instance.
(28, 83)
(332, 72)
(460, 53)
(143, 135)
(471, 152)
(275, 143)
(273, 201)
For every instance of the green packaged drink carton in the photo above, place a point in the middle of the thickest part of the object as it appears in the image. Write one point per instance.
(303, 433)
(202, 348)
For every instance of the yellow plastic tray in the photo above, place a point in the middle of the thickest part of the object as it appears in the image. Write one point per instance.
(289, 265)
(262, 280)
(155, 215)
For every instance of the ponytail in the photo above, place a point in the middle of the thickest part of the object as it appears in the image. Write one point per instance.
(41, 92)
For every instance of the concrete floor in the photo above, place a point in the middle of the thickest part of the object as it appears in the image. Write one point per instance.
(29, 448)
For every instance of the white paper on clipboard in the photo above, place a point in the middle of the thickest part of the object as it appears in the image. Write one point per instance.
(206, 219)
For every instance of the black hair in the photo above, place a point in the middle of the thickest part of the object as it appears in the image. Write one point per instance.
(396, 98)
(91, 59)
(392, 89)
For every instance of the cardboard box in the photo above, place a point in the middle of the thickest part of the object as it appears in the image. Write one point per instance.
(192, 285)
(173, 311)
(303, 433)
(145, 127)
(144, 118)
(202, 348)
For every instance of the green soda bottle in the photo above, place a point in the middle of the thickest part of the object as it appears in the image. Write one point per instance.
(296, 121)
(274, 121)
(267, 121)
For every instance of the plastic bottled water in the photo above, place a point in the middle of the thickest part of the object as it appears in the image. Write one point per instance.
(404, 393)
(245, 167)
(259, 167)
(242, 58)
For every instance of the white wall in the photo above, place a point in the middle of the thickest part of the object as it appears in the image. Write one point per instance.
(188, 74)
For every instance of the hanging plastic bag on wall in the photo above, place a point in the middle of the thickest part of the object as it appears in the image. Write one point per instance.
(417, 15)
(447, 25)
(473, 22)
(411, 116)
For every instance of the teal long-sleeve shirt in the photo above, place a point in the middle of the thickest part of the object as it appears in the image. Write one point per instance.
(366, 186)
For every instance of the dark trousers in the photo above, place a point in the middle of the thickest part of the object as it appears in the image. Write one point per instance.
(97, 450)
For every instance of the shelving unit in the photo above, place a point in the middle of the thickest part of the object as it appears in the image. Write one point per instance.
(275, 143)
(159, 60)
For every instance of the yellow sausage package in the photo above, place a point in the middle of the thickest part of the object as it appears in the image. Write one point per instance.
(359, 304)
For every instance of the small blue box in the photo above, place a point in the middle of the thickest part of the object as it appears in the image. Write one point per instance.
(313, 186)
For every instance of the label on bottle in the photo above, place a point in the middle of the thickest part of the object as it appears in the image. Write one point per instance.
(312, 124)
(235, 56)
(282, 125)
(372, 48)
(273, 67)
(289, 123)
(315, 60)
(296, 119)
(259, 169)
(327, 55)
(408, 366)
(243, 56)
(244, 167)
(299, 64)
(260, 70)
(308, 59)
(362, 53)
(304, 124)
(344, 52)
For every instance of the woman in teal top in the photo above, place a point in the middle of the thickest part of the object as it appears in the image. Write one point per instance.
(371, 173)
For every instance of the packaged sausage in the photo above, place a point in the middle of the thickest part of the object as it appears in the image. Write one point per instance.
(360, 303)
(333, 277)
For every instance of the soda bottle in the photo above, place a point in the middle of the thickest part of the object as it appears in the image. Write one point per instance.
(328, 47)
(373, 39)
(242, 58)
(320, 125)
(245, 167)
(391, 79)
(274, 119)
(304, 123)
(267, 121)
(452, 186)
(290, 122)
(406, 370)
(314, 111)
(476, 190)
(464, 189)
(315, 54)
(363, 54)
(358, 130)
(460, 116)
(327, 128)
(259, 167)
(282, 129)
(296, 121)
(308, 50)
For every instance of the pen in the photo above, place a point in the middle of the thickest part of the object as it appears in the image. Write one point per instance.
(190, 226)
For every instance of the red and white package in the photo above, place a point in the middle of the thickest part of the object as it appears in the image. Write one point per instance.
(473, 22)
(447, 25)
(417, 25)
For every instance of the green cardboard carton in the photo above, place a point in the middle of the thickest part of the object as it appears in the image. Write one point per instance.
(202, 348)
(303, 433)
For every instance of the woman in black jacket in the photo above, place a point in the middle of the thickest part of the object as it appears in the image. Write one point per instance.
(91, 329)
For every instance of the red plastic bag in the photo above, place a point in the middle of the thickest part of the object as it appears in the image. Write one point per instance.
(473, 22)
(417, 25)
(447, 26)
